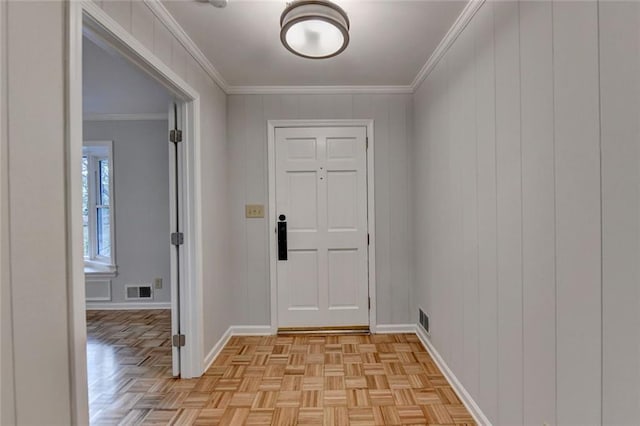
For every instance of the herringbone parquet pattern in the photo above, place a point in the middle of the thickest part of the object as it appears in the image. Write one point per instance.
(270, 380)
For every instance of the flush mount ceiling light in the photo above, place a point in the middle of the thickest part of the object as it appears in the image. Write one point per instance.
(314, 29)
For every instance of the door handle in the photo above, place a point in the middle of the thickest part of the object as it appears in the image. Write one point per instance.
(282, 237)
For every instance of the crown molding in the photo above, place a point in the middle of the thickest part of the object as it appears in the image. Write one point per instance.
(456, 29)
(124, 117)
(161, 12)
(181, 35)
(316, 90)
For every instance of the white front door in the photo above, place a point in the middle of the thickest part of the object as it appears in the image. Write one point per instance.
(321, 195)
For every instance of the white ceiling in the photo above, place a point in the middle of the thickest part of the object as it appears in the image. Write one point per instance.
(113, 85)
(390, 41)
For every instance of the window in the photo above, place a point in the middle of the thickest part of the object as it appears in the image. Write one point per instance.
(97, 207)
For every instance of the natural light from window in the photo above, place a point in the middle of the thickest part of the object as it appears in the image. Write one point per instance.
(97, 211)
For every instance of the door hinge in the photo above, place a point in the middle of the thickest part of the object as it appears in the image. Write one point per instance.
(175, 136)
(177, 238)
(367, 142)
(369, 303)
(178, 340)
(368, 240)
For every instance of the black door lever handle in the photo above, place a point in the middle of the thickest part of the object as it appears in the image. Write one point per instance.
(282, 237)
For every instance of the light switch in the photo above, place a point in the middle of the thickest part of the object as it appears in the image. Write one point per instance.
(254, 210)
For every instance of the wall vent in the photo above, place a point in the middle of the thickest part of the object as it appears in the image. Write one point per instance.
(423, 320)
(138, 292)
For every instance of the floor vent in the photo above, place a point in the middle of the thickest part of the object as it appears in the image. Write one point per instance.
(138, 292)
(423, 320)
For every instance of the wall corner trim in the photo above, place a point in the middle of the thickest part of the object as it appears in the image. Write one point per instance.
(462, 393)
(456, 29)
(167, 19)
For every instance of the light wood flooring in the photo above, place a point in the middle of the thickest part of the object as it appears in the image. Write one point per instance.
(269, 380)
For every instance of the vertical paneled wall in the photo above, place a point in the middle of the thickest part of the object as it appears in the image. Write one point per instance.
(620, 135)
(36, 211)
(578, 233)
(525, 211)
(35, 216)
(247, 127)
(7, 402)
(538, 211)
(136, 17)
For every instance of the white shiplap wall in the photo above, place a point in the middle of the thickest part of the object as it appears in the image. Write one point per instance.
(35, 73)
(247, 129)
(138, 19)
(526, 211)
(40, 320)
(7, 402)
(620, 147)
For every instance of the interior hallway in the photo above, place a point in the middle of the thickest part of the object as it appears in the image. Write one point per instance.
(384, 379)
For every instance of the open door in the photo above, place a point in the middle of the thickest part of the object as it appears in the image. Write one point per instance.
(176, 232)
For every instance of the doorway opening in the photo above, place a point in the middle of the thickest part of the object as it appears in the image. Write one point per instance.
(130, 193)
(321, 208)
(135, 262)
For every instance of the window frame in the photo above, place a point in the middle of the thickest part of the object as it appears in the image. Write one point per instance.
(96, 264)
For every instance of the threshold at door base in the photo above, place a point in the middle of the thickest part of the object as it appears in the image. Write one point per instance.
(349, 329)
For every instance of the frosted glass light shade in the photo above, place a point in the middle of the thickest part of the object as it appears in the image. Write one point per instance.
(314, 29)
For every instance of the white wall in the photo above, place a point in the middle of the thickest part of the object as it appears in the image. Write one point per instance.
(141, 203)
(37, 212)
(7, 410)
(247, 127)
(36, 198)
(529, 279)
(620, 130)
(113, 85)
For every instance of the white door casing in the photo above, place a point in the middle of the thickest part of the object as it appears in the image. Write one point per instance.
(321, 188)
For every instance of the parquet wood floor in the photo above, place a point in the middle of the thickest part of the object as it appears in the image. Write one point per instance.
(267, 380)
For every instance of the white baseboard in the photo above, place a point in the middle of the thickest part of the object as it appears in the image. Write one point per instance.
(215, 351)
(251, 330)
(394, 328)
(462, 393)
(234, 330)
(108, 306)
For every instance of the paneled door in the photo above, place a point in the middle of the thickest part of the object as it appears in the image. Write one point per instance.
(321, 213)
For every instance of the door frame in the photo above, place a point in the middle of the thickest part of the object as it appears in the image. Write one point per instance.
(272, 125)
(87, 15)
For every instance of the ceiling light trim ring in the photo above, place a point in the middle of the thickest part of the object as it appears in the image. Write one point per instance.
(314, 10)
(283, 36)
(325, 3)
